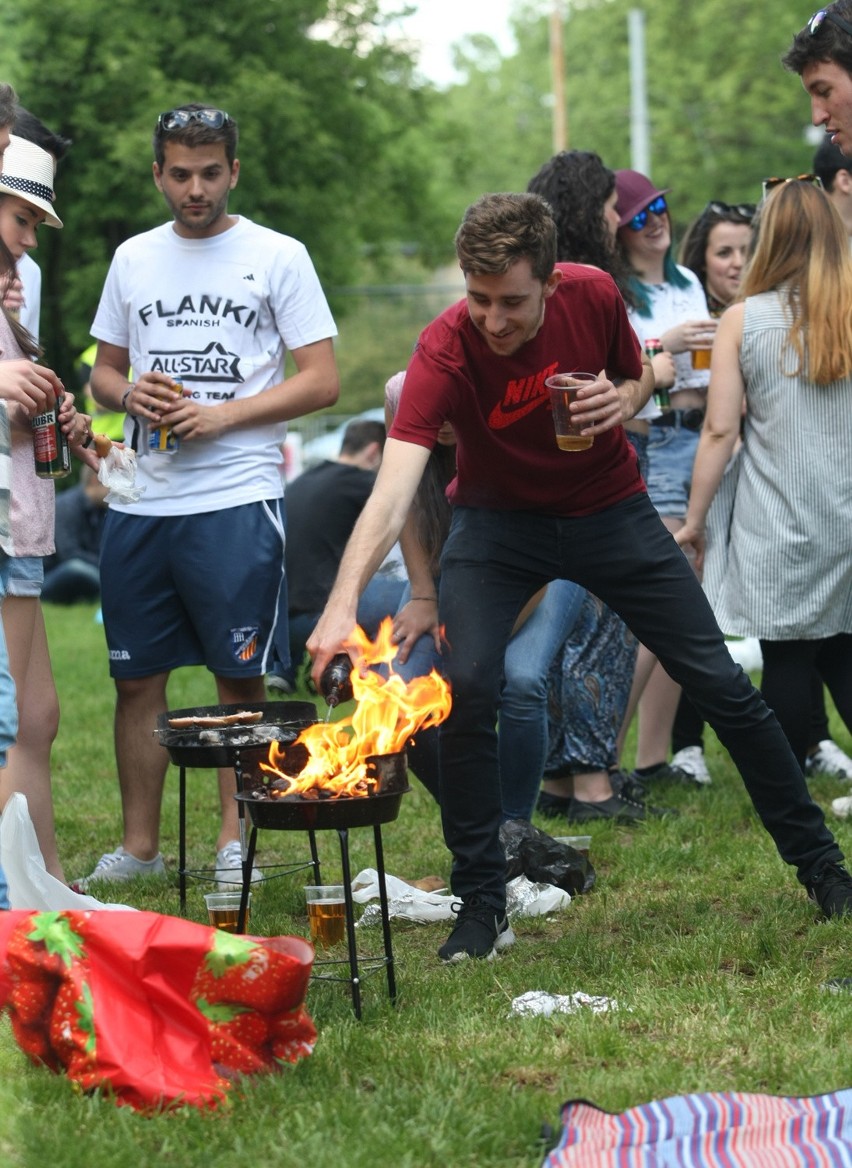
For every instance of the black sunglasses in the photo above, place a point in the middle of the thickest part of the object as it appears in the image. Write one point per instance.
(816, 21)
(745, 211)
(658, 207)
(176, 119)
(769, 184)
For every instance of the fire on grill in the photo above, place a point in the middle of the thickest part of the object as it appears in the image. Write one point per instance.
(332, 760)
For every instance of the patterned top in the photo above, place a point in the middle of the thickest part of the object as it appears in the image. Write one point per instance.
(789, 545)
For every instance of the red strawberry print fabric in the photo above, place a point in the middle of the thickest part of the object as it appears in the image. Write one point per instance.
(154, 1010)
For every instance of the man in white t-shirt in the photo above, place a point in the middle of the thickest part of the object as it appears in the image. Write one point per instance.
(203, 309)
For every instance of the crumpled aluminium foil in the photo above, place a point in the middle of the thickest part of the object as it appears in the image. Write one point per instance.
(543, 1004)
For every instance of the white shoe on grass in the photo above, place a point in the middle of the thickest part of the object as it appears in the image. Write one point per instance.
(691, 759)
(829, 759)
(229, 867)
(114, 867)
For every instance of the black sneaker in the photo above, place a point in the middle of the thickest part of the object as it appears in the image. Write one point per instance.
(628, 785)
(665, 773)
(831, 889)
(619, 808)
(479, 932)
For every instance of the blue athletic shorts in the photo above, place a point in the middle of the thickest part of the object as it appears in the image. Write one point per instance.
(203, 589)
(671, 454)
(26, 576)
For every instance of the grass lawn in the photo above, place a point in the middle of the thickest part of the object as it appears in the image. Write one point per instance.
(696, 927)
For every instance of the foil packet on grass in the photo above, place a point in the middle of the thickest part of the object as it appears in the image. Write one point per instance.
(542, 1004)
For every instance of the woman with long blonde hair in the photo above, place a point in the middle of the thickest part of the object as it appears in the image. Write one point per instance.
(785, 349)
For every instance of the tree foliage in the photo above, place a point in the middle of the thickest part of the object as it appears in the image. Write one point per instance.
(329, 122)
(723, 113)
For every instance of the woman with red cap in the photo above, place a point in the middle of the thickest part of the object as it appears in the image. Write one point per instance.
(670, 306)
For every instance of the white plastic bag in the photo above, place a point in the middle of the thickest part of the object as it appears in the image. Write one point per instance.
(31, 886)
(117, 470)
(523, 899)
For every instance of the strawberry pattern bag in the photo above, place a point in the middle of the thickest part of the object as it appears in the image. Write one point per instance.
(156, 1011)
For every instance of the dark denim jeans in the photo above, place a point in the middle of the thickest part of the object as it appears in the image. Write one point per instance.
(492, 563)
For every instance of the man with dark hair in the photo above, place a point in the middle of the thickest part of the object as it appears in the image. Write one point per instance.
(821, 53)
(323, 504)
(834, 170)
(525, 513)
(203, 309)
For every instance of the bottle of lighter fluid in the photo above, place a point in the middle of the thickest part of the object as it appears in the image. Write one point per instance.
(50, 446)
(653, 347)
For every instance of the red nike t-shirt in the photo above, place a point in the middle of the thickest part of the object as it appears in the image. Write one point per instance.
(507, 457)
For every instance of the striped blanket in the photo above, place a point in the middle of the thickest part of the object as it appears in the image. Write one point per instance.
(714, 1130)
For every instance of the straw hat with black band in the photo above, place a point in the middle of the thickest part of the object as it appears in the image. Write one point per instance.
(28, 173)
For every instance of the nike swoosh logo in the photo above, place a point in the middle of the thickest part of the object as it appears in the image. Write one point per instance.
(503, 415)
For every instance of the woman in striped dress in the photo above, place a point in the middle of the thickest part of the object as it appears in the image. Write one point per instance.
(786, 350)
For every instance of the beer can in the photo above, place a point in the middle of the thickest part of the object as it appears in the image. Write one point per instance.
(163, 439)
(50, 446)
(653, 347)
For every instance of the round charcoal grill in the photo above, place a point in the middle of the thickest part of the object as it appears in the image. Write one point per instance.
(222, 746)
(293, 813)
(225, 746)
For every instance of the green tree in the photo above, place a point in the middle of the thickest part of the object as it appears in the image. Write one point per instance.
(331, 146)
(723, 112)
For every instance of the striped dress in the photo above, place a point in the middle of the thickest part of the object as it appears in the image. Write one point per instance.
(780, 562)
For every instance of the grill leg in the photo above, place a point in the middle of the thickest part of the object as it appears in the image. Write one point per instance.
(182, 836)
(383, 900)
(312, 838)
(246, 889)
(354, 977)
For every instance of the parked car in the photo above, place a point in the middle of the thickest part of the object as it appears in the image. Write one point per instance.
(327, 446)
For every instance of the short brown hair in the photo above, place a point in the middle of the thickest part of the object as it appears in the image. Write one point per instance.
(197, 134)
(498, 230)
(828, 43)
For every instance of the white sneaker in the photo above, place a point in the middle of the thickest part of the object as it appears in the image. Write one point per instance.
(829, 759)
(691, 760)
(229, 867)
(120, 865)
(842, 807)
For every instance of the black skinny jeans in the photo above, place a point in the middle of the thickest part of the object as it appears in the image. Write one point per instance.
(492, 563)
(788, 667)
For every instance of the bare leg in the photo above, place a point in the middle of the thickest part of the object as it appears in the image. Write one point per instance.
(245, 691)
(142, 761)
(657, 705)
(28, 767)
(588, 787)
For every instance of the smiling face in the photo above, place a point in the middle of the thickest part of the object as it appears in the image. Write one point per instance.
(508, 309)
(830, 89)
(196, 182)
(647, 248)
(19, 222)
(725, 257)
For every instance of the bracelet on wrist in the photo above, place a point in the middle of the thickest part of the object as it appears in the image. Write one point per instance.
(125, 396)
(431, 599)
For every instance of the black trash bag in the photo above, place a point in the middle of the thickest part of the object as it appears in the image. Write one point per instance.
(543, 860)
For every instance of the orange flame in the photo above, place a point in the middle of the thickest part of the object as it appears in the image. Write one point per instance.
(388, 713)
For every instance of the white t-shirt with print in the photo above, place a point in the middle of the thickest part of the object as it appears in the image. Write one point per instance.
(671, 306)
(218, 315)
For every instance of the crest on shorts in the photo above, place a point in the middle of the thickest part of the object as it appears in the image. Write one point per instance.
(244, 642)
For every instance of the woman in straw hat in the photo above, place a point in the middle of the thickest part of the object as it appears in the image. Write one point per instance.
(26, 202)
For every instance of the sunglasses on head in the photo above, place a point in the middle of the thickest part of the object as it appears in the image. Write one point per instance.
(818, 19)
(769, 184)
(658, 207)
(744, 211)
(176, 119)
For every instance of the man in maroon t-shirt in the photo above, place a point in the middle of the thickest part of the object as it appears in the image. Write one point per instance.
(526, 513)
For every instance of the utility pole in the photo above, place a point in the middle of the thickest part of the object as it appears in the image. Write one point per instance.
(557, 72)
(640, 152)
